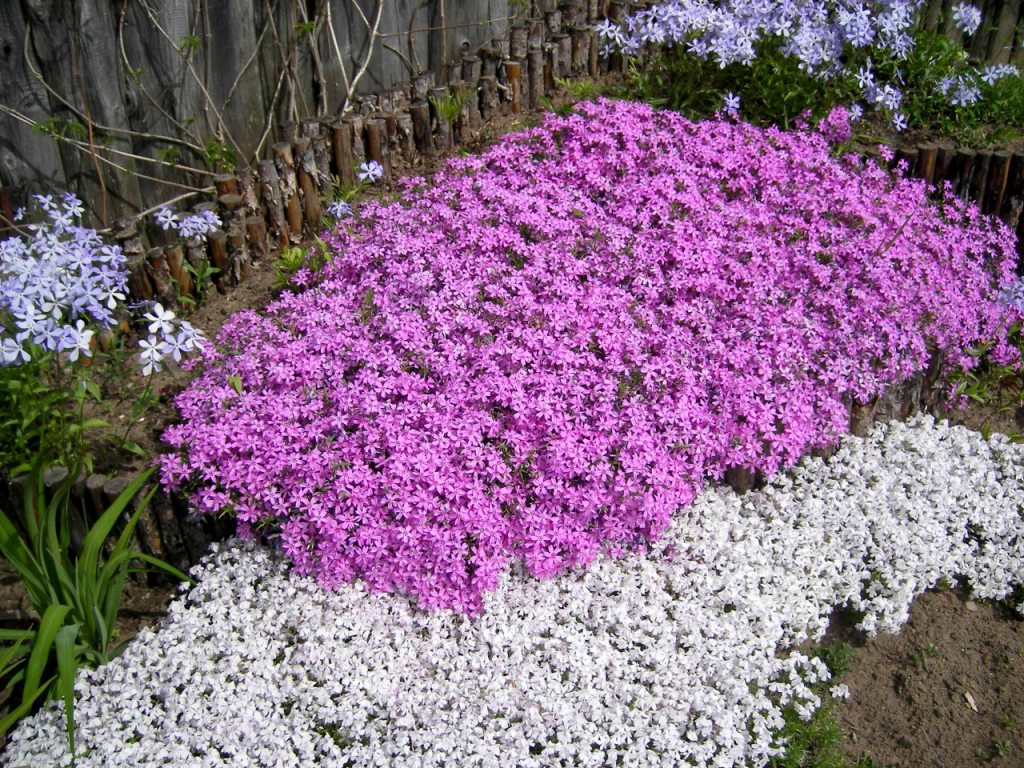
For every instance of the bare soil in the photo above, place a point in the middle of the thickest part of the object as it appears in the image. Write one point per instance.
(943, 693)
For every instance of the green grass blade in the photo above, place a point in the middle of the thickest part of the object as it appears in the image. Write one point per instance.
(13, 548)
(52, 621)
(67, 668)
(21, 710)
(98, 534)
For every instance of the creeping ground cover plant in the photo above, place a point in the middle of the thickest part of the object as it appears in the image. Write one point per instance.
(544, 352)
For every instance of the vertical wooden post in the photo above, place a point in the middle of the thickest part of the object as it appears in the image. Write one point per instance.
(218, 241)
(175, 255)
(488, 97)
(553, 22)
(978, 184)
(285, 164)
(550, 66)
(341, 143)
(238, 255)
(306, 167)
(226, 184)
(961, 170)
(943, 163)
(998, 177)
(535, 58)
(514, 78)
(256, 233)
(580, 50)
(421, 85)
(270, 192)
(377, 144)
(160, 276)
(926, 155)
(419, 111)
(322, 175)
(518, 39)
(471, 69)
(247, 189)
(564, 44)
(355, 125)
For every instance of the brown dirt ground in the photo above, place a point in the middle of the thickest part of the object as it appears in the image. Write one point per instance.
(943, 693)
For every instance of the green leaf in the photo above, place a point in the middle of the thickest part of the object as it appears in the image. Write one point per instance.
(52, 621)
(67, 668)
(88, 561)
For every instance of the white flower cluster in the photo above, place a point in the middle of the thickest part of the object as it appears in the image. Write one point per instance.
(669, 660)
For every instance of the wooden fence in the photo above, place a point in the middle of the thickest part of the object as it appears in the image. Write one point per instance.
(145, 96)
(999, 39)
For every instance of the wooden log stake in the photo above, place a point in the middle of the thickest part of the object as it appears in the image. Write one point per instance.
(580, 50)
(536, 33)
(926, 155)
(572, 13)
(1014, 189)
(535, 60)
(256, 234)
(489, 97)
(564, 44)
(419, 111)
(514, 79)
(270, 193)
(341, 143)
(405, 146)
(943, 164)
(175, 255)
(463, 132)
(908, 155)
(239, 259)
(550, 66)
(421, 85)
(160, 277)
(998, 178)
(218, 241)
(377, 145)
(247, 189)
(355, 124)
(226, 184)
(553, 22)
(306, 171)
(501, 47)
(230, 208)
(311, 130)
(139, 286)
(518, 40)
(978, 184)
(289, 132)
(471, 69)
(453, 73)
(961, 170)
(284, 162)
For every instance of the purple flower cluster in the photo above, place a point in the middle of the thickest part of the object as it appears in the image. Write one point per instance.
(543, 353)
(823, 36)
(56, 282)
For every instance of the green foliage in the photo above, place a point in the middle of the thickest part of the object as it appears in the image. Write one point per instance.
(219, 155)
(169, 154)
(56, 128)
(188, 45)
(304, 29)
(78, 598)
(202, 273)
(448, 107)
(295, 258)
(773, 90)
(815, 743)
(42, 403)
(992, 384)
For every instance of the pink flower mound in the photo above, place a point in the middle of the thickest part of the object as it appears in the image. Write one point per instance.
(543, 352)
